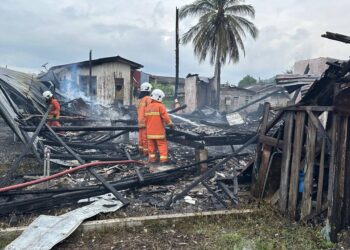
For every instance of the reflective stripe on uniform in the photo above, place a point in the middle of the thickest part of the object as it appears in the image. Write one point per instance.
(146, 150)
(163, 157)
(152, 156)
(155, 137)
(152, 113)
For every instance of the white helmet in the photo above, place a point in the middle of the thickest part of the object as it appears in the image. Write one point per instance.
(146, 86)
(47, 95)
(157, 95)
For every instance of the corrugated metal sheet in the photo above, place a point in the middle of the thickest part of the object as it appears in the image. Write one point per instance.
(20, 94)
(46, 231)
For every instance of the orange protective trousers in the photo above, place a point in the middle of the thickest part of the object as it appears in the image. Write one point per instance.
(143, 141)
(159, 145)
(54, 113)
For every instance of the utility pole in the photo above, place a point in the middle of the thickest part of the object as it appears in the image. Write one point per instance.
(89, 92)
(177, 53)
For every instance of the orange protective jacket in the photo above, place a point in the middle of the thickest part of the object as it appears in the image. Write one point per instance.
(56, 108)
(143, 103)
(156, 116)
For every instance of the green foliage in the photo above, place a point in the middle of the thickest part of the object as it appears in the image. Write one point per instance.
(247, 81)
(167, 88)
(220, 30)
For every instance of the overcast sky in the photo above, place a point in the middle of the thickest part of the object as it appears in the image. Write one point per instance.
(58, 32)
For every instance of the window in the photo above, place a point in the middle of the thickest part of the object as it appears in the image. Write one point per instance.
(227, 101)
(84, 85)
(247, 98)
(119, 84)
(235, 101)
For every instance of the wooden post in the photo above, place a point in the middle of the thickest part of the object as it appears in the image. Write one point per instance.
(320, 178)
(333, 186)
(342, 171)
(309, 170)
(262, 131)
(285, 166)
(346, 208)
(333, 178)
(202, 155)
(296, 159)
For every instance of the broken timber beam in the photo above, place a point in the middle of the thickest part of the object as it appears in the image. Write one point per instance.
(208, 173)
(85, 128)
(271, 141)
(108, 186)
(306, 207)
(336, 37)
(296, 160)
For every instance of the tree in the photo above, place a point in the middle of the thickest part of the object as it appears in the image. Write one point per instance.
(219, 32)
(247, 81)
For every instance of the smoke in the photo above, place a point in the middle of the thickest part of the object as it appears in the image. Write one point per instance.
(74, 87)
(70, 86)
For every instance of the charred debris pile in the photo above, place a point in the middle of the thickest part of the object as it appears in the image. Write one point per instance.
(94, 152)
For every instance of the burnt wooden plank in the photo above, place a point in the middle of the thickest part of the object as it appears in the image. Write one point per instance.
(306, 207)
(296, 159)
(259, 147)
(342, 155)
(274, 142)
(262, 131)
(346, 208)
(319, 126)
(305, 108)
(333, 179)
(263, 170)
(286, 160)
(320, 177)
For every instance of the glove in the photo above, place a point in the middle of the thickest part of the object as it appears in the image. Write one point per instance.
(171, 125)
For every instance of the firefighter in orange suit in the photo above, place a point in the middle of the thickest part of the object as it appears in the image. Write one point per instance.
(144, 101)
(156, 119)
(55, 110)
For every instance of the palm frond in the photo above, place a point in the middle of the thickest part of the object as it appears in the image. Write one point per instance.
(198, 8)
(241, 9)
(247, 25)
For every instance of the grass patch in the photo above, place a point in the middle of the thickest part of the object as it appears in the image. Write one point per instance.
(264, 229)
(7, 239)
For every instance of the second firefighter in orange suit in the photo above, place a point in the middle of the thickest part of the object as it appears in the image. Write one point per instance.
(55, 110)
(156, 118)
(144, 101)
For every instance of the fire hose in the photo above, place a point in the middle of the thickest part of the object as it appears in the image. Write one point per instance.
(68, 171)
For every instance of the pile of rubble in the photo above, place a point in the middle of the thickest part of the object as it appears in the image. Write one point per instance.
(87, 140)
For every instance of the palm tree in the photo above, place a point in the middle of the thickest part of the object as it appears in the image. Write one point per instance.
(219, 33)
